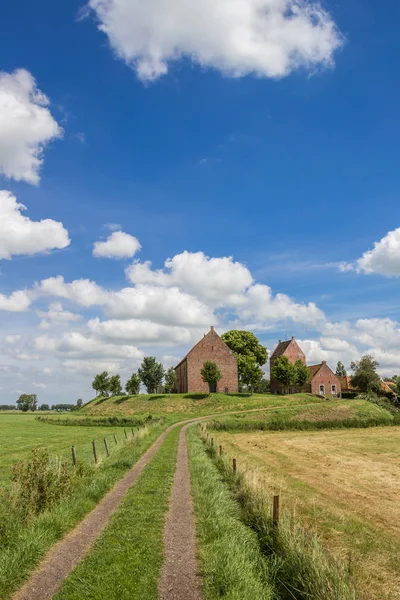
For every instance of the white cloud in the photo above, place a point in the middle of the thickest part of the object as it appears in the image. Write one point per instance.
(82, 291)
(12, 339)
(91, 367)
(267, 38)
(20, 235)
(56, 315)
(26, 126)
(384, 258)
(260, 306)
(117, 245)
(42, 386)
(217, 281)
(136, 331)
(17, 302)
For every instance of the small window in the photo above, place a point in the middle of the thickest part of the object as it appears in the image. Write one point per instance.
(322, 390)
(333, 390)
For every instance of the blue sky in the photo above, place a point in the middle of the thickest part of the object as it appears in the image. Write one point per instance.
(289, 165)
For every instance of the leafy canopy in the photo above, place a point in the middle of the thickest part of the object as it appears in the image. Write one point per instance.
(301, 373)
(132, 386)
(170, 380)
(114, 385)
(365, 376)
(151, 374)
(27, 402)
(251, 356)
(210, 373)
(284, 371)
(101, 384)
(340, 370)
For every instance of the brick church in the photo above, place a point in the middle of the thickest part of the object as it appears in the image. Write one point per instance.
(210, 347)
(321, 380)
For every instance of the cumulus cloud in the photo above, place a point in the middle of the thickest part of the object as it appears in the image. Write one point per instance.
(17, 302)
(82, 291)
(217, 281)
(56, 315)
(260, 306)
(384, 258)
(12, 339)
(267, 38)
(19, 235)
(136, 331)
(117, 245)
(26, 126)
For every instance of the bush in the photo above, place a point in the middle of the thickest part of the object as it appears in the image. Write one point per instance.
(39, 483)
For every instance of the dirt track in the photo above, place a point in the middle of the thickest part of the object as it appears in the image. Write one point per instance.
(179, 579)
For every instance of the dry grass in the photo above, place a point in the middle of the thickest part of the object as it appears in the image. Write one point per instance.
(344, 484)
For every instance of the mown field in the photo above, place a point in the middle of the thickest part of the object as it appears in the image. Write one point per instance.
(20, 433)
(343, 485)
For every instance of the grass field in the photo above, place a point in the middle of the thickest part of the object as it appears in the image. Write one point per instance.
(344, 485)
(180, 406)
(20, 433)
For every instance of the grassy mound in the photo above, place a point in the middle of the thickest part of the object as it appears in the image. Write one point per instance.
(180, 406)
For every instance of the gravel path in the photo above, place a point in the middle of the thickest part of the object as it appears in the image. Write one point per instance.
(180, 579)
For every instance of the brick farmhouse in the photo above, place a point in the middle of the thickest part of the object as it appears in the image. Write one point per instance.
(321, 380)
(210, 347)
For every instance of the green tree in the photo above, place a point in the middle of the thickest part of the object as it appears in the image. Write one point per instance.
(132, 386)
(114, 385)
(211, 374)
(263, 386)
(251, 356)
(44, 407)
(101, 384)
(79, 403)
(365, 377)
(284, 372)
(27, 402)
(340, 370)
(397, 388)
(170, 380)
(301, 373)
(151, 374)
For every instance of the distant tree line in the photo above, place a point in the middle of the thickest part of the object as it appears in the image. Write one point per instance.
(29, 402)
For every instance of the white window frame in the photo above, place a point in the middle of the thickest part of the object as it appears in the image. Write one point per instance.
(321, 385)
(334, 389)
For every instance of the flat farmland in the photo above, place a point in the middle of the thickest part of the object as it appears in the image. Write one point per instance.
(20, 433)
(344, 485)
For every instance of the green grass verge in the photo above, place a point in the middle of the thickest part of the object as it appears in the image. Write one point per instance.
(126, 560)
(299, 566)
(82, 421)
(27, 543)
(232, 565)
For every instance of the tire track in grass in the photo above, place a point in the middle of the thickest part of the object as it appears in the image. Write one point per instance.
(126, 560)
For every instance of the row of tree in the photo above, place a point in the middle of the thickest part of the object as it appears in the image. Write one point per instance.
(287, 373)
(29, 402)
(151, 374)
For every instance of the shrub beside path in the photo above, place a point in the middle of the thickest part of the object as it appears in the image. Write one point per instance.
(179, 578)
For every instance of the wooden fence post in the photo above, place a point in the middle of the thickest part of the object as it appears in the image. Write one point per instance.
(106, 445)
(115, 439)
(74, 456)
(133, 432)
(94, 451)
(220, 450)
(275, 513)
(234, 464)
(126, 435)
(212, 442)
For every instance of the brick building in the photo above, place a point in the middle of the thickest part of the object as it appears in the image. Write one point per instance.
(321, 380)
(210, 347)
